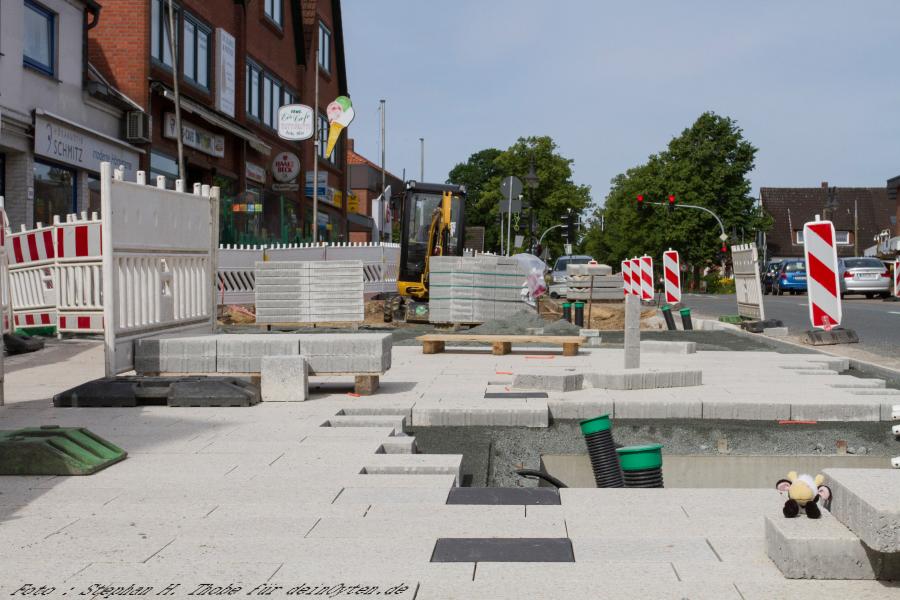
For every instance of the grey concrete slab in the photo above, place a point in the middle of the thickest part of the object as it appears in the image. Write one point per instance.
(555, 380)
(504, 496)
(867, 501)
(664, 347)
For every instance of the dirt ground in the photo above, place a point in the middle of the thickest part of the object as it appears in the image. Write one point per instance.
(604, 316)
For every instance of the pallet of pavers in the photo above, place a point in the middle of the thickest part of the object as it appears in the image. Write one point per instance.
(298, 292)
(474, 289)
(364, 356)
(606, 286)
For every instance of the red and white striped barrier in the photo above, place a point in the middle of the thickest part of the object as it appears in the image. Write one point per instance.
(32, 258)
(79, 272)
(4, 288)
(672, 276)
(646, 278)
(823, 285)
(635, 277)
(897, 278)
(626, 277)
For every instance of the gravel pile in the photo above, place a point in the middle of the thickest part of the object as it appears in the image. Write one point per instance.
(520, 323)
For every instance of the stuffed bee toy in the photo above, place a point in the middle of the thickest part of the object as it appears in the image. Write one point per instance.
(803, 493)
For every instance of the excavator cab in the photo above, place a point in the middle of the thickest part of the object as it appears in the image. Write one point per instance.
(432, 223)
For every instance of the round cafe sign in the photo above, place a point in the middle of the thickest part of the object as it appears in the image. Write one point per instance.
(285, 167)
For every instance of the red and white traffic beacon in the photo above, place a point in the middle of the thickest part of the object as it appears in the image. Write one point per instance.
(672, 276)
(823, 285)
(626, 277)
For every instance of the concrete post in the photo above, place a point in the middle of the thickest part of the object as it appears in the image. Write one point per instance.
(632, 332)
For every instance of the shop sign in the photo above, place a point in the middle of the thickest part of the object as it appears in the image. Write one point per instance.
(225, 68)
(285, 187)
(76, 147)
(353, 203)
(285, 167)
(295, 122)
(195, 137)
(250, 207)
(254, 172)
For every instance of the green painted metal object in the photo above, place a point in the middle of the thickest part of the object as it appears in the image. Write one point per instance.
(54, 450)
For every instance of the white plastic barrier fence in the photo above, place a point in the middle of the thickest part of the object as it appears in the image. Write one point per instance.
(159, 257)
(236, 280)
(745, 263)
(4, 289)
(32, 261)
(79, 278)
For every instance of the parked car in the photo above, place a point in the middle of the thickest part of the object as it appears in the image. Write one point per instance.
(558, 279)
(864, 275)
(770, 272)
(791, 277)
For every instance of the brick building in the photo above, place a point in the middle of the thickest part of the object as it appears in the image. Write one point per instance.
(365, 185)
(862, 211)
(237, 63)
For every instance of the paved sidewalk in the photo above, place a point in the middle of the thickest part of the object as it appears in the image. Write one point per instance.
(272, 495)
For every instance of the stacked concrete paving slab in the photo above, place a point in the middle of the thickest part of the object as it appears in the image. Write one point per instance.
(606, 286)
(309, 292)
(858, 539)
(474, 289)
(342, 353)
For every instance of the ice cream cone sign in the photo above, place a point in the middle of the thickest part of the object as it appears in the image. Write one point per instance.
(340, 113)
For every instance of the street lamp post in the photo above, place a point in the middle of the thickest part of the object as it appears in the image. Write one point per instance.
(532, 181)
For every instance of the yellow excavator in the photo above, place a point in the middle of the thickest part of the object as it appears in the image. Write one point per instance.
(432, 223)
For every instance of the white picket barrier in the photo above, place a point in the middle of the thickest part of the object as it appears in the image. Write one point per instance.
(235, 274)
(159, 262)
(745, 262)
(32, 261)
(79, 278)
(5, 305)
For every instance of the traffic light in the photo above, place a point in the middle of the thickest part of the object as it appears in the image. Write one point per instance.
(640, 202)
(671, 202)
(565, 224)
(572, 227)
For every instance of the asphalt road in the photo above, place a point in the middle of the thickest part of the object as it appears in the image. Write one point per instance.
(876, 322)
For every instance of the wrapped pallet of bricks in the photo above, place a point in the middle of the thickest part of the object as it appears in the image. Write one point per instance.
(474, 289)
(606, 286)
(309, 291)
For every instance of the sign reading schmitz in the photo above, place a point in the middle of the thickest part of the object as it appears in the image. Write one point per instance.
(295, 122)
(285, 167)
(73, 146)
(745, 261)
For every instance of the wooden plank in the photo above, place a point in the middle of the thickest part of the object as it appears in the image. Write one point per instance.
(570, 349)
(462, 337)
(432, 347)
(501, 348)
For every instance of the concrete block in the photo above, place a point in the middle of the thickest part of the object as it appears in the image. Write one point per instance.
(778, 332)
(822, 548)
(284, 379)
(195, 354)
(664, 347)
(396, 422)
(558, 381)
(827, 410)
(642, 408)
(561, 409)
(756, 410)
(530, 414)
(414, 464)
(242, 353)
(867, 501)
(347, 353)
(399, 445)
(642, 379)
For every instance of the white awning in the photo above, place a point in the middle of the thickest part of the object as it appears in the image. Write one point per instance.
(212, 118)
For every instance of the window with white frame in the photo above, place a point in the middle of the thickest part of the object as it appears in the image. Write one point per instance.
(324, 47)
(841, 238)
(265, 94)
(273, 11)
(251, 101)
(40, 38)
(196, 51)
(159, 31)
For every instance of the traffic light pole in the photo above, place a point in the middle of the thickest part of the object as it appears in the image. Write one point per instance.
(724, 235)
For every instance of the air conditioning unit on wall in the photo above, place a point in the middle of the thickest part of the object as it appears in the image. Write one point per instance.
(137, 126)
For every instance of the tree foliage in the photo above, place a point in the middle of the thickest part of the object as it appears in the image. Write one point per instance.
(554, 194)
(707, 165)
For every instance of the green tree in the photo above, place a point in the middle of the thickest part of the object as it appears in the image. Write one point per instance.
(555, 192)
(707, 165)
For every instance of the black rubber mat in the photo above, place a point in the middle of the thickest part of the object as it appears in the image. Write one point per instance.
(172, 391)
(503, 496)
(503, 550)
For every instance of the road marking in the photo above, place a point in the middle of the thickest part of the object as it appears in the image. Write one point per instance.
(893, 312)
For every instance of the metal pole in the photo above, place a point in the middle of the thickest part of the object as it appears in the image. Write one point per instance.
(316, 145)
(421, 159)
(381, 207)
(509, 222)
(501, 232)
(855, 228)
(173, 49)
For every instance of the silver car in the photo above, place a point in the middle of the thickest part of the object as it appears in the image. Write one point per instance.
(558, 278)
(864, 275)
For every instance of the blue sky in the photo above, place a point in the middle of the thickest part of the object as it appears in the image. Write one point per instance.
(813, 84)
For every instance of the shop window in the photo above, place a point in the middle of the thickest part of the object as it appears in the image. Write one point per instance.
(251, 102)
(2, 174)
(159, 31)
(273, 11)
(264, 96)
(40, 38)
(324, 47)
(160, 164)
(55, 192)
(196, 51)
(93, 190)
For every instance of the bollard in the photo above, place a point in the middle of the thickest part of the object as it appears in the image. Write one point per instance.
(667, 315)
(602, 452)
(579, 314)
(567, 311)
(641, 466)
(632, 332)
(686, 319)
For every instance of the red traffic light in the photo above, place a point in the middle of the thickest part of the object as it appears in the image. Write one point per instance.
(640, 202)
(671, 199)
(724, 248)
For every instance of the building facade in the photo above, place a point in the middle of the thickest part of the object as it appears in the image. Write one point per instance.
(365, 187)
(858, 214)
(58, 118)
(237, 63)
